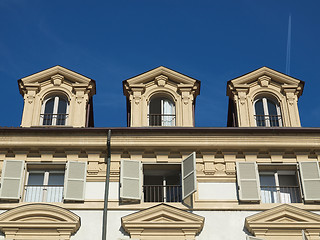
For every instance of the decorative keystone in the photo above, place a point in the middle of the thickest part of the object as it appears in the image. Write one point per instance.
(57, 79)
(264, 81)
(161, 80)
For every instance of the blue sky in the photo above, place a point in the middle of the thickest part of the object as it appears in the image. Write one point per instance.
(110, 41)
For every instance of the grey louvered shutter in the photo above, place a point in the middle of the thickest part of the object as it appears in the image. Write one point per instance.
(189, 180)
(248, 181)
(75, 181)
(253, 238)
(11, 179)
(130, 179)
(310, 178)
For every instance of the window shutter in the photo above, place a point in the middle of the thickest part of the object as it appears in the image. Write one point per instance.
(75, 180)
(189, 175)
(310, 178)
(11, 179)
(248, 181)
(130, 179)
(253, 238)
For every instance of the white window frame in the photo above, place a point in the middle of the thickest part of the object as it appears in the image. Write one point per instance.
(55, 109)
(266, 111)
(163, 118)
(275, 174)
(44, 184)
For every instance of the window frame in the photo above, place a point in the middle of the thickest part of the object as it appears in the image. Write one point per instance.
(45, 184)
(266, 115)
(164, 184)
(173, 116)
(56, 98)
(133, 179)
(276, 173)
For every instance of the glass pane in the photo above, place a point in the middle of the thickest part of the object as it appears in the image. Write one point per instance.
(155, 106)
(268, 189)
(260, 116)
(35, 178)
(272, 108)
(259, 107)
(62, 107)
(62, 110)
(49, 106)
(56, 179)
(267, 180)
(288, 180)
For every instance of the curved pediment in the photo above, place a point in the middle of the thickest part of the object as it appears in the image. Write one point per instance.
(32, 218)
(284, 218)
(162, 220)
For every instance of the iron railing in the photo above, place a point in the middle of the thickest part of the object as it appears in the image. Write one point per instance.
(160, 193)
(43, 193)
(54, 119)
(268, 120)
(280, 194)
(162, 119)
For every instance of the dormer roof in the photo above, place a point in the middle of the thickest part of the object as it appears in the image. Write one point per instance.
(173, 77)
(39, 78)
(278, 78)
(151, 74)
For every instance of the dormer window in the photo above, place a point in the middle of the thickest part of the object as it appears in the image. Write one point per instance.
(54, 111)
(267, 113)
(161, 112)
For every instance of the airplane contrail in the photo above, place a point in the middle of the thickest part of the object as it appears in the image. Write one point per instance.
(288, 47)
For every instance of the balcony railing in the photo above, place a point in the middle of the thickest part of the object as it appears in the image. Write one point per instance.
(160, 193)
(43, 193)
(54, 119)
(162, 119)
(274, 194)
(268, 120)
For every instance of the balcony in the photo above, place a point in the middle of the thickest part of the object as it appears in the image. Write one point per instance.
(43, 193)
(277, 194)
(160, 193)
(268, 120)
(53, 119)
(162, 119)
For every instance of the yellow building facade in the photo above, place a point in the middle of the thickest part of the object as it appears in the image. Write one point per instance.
(258, 178)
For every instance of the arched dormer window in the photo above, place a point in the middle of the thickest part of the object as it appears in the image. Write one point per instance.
(54, 111)
(161, 112)
(267, 113)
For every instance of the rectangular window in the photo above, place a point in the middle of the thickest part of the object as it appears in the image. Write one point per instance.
(158, 182)
(278, 183)
(44, 186)
(162, 183)
(279, 186)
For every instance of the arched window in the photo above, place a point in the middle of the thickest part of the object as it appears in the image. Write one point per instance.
(54, 111)
(161, 112)
(267, 113)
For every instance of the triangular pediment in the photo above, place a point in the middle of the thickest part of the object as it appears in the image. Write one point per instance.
(275, 76)
(283, 216)
(46, 74)
(163, 212)
(162, 218)
(172, 76)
